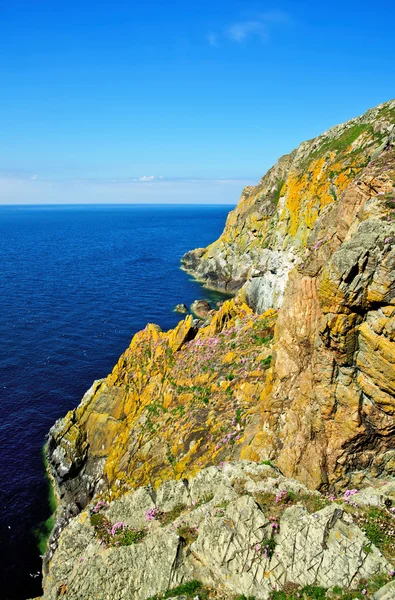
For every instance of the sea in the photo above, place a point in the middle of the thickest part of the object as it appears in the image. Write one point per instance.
(76, 283)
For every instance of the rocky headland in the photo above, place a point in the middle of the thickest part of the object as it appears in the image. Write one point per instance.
(252, 454)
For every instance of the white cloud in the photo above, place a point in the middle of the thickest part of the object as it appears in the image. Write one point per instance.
(212, 39)
(21, 190)
(245, 29)
(259, 27)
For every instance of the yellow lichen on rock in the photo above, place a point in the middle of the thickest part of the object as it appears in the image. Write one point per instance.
(176, 401)
(309, 383)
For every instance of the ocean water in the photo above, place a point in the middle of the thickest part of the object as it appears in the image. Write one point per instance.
(76, 284)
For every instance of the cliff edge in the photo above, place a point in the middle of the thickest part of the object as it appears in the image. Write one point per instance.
(298, 368)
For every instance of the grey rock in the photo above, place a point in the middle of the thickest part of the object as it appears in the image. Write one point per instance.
(373, 497)
(131, 508)
(324, 548)
(172, 494)
(385, 593)
(267, 286)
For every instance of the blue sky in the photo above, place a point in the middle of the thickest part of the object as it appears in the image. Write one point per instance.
(99, 97)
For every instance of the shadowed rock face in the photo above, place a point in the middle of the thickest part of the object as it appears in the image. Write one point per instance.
(299, 367)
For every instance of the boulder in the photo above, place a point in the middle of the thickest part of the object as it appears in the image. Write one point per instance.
(181, 308)
(201, 308)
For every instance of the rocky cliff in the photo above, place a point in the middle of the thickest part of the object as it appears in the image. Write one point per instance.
(315, 239)
(236, 529)
(298, 368)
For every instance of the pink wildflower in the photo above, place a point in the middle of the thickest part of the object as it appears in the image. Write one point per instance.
(349, 493)
(281, 495)
(152, 514)
(116, 526)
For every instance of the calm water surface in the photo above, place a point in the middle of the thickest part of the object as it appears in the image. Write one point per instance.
(76, 284)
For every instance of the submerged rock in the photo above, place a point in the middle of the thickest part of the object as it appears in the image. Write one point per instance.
(181, 308)
(201, 308)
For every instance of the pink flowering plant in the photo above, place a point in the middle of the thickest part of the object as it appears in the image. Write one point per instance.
(100, 504)
(378, 524)
(154, 514)
(348, 494)
(265, 548)
(114, 534)
(200, 395)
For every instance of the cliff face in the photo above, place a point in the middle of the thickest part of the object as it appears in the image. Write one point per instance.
(315, 239)
(298, 368)
(274, 226)
(175, 402)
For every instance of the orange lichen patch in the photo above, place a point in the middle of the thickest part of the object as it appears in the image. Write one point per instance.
(174, 404)
(180, 400)
(306, 195)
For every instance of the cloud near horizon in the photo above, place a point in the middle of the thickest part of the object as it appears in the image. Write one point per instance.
(31, 190)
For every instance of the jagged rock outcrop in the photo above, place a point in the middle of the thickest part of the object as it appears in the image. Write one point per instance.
(274, 223)
(239, 528)
(298, 368)
(201, 308)
(176, 401)
(316, 238)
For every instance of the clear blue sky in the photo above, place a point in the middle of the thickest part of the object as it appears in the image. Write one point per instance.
(194, 92)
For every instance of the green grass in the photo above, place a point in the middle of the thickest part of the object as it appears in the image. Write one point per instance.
(266, 362)
(188, 589)
(175, 512)
(269, 544)
(122, 537)
(314, 592)
(130, 536)
(378, 526)
(341, 143)
(263, 339)
(309, 592)
(277, 193)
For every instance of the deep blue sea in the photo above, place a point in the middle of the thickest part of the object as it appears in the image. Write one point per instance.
(76, 284)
